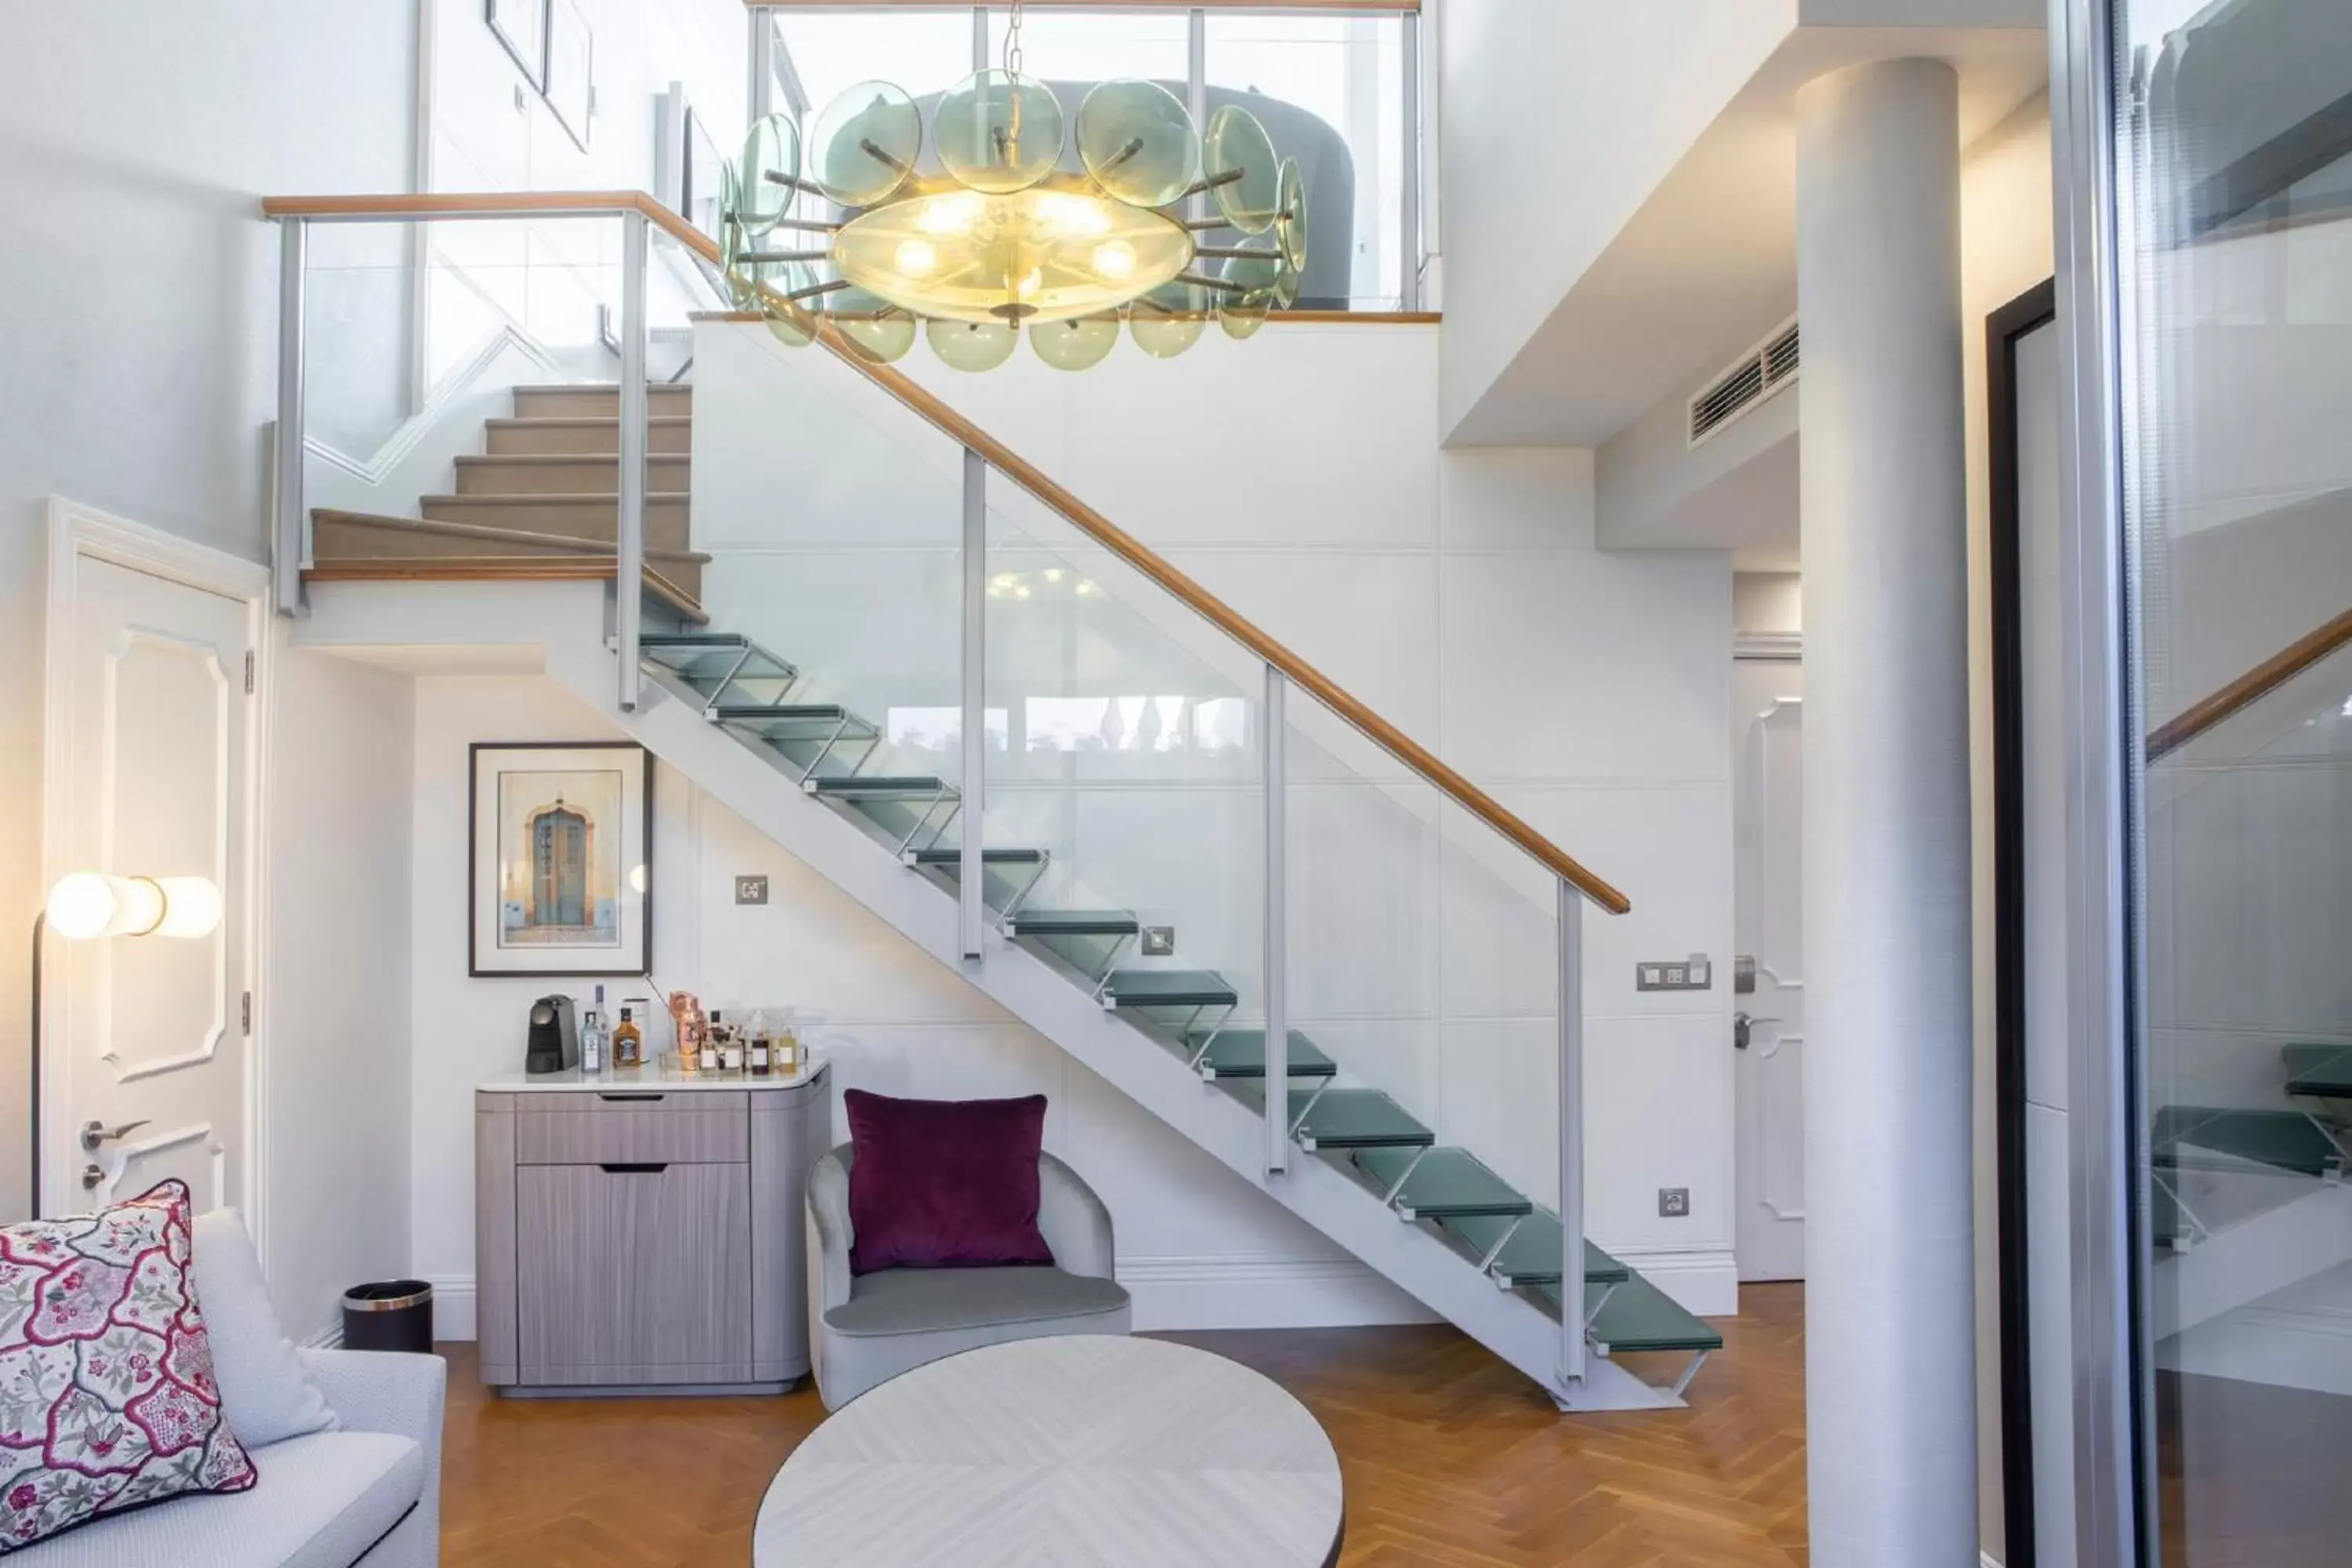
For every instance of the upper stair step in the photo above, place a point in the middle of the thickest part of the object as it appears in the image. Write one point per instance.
(1354, 1119)
(585, 435)
(2284, 1140)
(1075, 922)
(586, 515)
(1241, 1053)
(2321, 1071)
(1635, 1315)
(596, 399)
(851, 787)
(1442, 1183)
(1168, 988)
(952, 855)
(719, 664)
(1531, 1255)
(565, 474)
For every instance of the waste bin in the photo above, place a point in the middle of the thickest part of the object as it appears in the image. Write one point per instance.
(389, 1315)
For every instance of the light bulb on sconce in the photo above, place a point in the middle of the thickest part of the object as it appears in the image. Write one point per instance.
(88, 905)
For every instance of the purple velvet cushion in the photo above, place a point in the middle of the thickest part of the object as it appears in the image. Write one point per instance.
(944, 1184)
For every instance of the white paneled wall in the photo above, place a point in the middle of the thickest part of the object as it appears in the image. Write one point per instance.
(1459, 594)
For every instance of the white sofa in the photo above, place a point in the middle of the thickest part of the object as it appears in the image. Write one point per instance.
(366, 1491)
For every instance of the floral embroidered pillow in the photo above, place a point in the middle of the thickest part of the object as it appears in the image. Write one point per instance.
(107, 1398)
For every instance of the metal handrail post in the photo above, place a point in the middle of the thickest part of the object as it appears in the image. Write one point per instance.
(971, 862)
(1572, 1348)
(629, 548)
(1277, 924)
(290, 533)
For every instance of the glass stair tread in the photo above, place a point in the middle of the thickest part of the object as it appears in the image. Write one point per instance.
(2286, 1140)
(1076, 922)
(1532, 1255)
(953, 855)
(803, 712)
(1241, 1053)
(1354, 1119)
(853, 787)
(705, 661)
(2325, 1071)
(1168, 988)
(1635, 1315)
(1442, 1182)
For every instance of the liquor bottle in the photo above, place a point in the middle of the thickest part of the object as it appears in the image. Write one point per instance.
(592, 1038)
(788, 1052)
(761, 1048)
(629, 1042)
(709, 1058)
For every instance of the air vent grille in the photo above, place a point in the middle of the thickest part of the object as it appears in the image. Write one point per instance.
(1763, 371)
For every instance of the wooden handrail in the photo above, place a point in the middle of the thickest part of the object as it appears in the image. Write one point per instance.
(1021, 471)
(2250, 688)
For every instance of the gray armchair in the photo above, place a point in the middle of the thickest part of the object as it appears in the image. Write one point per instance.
(867, 1330)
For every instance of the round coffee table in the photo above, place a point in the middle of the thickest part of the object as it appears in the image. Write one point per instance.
(1120, 1452)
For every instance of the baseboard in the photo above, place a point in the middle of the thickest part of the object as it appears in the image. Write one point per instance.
(1244, 1292)
(326, 1339)
(453, 1306)
(1703, 1281)
(1263, 1293)
(1273, 1293)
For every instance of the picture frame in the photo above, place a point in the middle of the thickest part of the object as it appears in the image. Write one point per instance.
(520, 27)
(571, 81)
(560, 843)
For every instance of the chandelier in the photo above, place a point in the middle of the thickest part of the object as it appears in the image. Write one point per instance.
(981, 231)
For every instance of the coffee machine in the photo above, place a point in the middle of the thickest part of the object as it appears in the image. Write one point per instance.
(554, 1042)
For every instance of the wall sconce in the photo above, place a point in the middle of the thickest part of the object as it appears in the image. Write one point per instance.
(89, 906)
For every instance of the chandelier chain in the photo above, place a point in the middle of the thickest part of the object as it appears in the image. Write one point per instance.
(1012, 41)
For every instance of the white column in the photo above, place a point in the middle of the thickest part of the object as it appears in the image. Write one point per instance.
(1890, 1336)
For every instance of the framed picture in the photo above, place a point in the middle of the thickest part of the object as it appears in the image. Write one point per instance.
(571, 86)
(561, 837)
(522, 27)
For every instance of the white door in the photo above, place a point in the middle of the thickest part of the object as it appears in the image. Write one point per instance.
(1768, 748)
(148, 775)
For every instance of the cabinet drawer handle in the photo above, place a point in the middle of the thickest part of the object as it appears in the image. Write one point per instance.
(648, 1168)
(650, 1096)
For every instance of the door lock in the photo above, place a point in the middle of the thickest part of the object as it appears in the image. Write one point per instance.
(94, 1133)
(1741, 1024)
(93, 1177)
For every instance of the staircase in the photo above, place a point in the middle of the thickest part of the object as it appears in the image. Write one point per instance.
(541, 499)
(540, 502)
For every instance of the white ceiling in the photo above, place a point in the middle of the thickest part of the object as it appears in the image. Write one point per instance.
(1709, 262)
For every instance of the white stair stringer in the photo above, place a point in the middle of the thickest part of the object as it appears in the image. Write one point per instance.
(1044, 999)
(2241, 1263)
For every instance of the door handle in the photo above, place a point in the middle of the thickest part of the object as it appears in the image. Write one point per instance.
(1740, 1026)
(645, 1168)
(94, 1133)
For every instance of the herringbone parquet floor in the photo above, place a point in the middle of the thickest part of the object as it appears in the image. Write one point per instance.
(1452, 1460)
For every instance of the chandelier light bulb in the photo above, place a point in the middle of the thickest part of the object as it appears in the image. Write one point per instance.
(1114, 259)
(917, 258)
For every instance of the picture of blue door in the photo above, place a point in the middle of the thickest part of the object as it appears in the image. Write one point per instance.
(559, 868)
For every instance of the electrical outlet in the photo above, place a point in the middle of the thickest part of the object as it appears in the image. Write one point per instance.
(750, 889)
(1158, 942)
(1674, 1203)
(1692, 974)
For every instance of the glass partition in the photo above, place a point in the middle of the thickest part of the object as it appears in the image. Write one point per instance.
(2235, 173)
(1332, 91)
